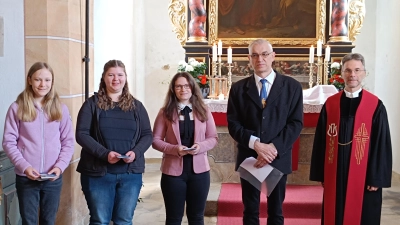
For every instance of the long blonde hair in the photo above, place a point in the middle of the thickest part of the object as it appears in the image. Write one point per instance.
(25, 100)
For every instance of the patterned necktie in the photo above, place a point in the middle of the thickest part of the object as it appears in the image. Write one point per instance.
(263, 93)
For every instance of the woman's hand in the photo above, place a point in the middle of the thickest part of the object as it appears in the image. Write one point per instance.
(31, 173)
(182, 152)
(131, 158)
(113, 157)
(56, 171)
(194, 152)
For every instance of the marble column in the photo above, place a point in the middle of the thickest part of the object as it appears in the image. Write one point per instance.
(55, 33)
(198, 15)
(339, 21)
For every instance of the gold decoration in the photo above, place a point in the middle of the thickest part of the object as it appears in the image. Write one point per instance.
(361, 137)
(177, 11)
(356, 17)
(177, 15)
(320, 27)
(332, 133)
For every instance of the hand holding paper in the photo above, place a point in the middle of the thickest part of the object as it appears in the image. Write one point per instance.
(264, 178)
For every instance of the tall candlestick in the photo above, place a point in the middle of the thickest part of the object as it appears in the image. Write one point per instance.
(229, 55)
(219, 47)
(311, 57)
(319, 48)
(214, 53)
(327, 53)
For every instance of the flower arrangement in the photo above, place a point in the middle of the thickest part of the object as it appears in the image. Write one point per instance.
(196, 69)
(336, 77)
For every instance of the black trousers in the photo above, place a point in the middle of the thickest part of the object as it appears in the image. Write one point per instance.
(190, 188)
(251, 201)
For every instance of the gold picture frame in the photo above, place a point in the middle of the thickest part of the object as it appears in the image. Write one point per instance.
(178, 10)
(216, 34)
(297, 68)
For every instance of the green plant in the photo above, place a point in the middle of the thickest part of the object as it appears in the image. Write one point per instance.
(196, 69)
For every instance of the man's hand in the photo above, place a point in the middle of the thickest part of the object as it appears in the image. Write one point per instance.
(260, 162)
(266, 152)
(371, 188)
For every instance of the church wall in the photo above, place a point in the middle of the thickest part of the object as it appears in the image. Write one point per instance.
(12, 58)
(379, 43)
(140, 34)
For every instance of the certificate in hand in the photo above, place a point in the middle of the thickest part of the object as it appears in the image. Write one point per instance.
(264, 179)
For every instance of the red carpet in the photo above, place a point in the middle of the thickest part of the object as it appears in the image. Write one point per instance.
(302, 205)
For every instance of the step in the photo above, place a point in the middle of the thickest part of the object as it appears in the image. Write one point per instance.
(302, 201)
(288, 221)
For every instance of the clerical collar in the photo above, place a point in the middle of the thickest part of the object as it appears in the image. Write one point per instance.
(181, 106)
(354, 94)
(270, 78)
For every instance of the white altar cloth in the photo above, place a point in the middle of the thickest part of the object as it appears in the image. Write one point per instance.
(313, 99)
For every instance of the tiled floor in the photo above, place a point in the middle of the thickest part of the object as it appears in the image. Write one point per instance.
(151, 210)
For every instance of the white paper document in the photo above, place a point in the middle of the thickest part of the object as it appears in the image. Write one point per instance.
(261, 173)
(264, 179)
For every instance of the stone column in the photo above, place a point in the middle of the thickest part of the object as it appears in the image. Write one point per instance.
(55, 33)
(198, 15)
(339, 21)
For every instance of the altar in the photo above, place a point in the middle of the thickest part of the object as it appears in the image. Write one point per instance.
(224, 50)
(313, 100)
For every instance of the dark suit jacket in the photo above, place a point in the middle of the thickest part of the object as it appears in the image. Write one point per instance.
(280, 122)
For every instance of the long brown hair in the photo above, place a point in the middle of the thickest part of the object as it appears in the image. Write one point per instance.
(51, 102)
(125, 99)
(171, 101)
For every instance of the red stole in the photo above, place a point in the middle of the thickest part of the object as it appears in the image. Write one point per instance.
(358, 160)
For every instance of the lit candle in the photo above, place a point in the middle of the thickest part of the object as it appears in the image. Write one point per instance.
(219, 47)
(319, 48)
(311, 58)
(229, 55)
(214, 53)
(327, 53)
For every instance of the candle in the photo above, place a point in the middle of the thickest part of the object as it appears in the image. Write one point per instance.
(221, 97)
(214, 53)
(229, 55)
(219, 47)
(319, 48)
(327, 53)
(311, 58)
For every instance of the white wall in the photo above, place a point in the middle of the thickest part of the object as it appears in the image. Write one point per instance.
(140, 34)
(379, 43)
(113, 34)
(12, 63)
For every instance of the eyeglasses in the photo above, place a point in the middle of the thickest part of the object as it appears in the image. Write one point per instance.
(180, 87)
(264, 55)
(349, 71)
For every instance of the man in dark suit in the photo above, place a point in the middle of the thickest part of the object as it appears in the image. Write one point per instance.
(265, 128)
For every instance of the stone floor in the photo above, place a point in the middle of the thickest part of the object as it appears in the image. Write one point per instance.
(151, 209)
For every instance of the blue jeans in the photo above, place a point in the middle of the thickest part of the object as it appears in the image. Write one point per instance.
(111, 197)
(38, 195)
